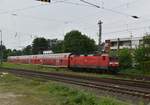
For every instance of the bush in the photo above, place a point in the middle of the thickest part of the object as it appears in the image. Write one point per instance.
(142, 55)
(142, 59)
(125, 58)
(145, 66)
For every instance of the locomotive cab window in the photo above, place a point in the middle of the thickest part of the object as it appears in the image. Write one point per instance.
(113, 59)
(71, 58)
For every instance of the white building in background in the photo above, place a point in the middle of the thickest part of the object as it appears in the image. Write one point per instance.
(52, 43)
(120, 43)
(48, 52)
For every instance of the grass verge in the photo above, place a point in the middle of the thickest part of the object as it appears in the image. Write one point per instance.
(133, 71)
(22, 91)
(51, 69)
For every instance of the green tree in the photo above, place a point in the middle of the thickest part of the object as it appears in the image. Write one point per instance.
(139, 55)
(142, 54)
(16, 52)
(39, 45)
(113, 53)
(58, 48)
(146, 43)
(125, 58)
(6, 53)
(76, 42)
(27, 50)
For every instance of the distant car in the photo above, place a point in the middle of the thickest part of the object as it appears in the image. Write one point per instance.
(68, 60)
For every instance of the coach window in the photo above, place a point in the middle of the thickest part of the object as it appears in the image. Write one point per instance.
(61, 61)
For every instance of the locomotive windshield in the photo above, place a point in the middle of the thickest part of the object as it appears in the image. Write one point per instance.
(113, 58)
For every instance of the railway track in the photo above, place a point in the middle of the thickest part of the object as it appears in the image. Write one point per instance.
(133, 88)
(135, 77)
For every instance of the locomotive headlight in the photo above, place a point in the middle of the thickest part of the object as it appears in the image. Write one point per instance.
(116, 63)
(110, 63)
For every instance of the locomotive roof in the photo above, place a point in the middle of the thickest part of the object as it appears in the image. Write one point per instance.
(57, 55)
(45, 55)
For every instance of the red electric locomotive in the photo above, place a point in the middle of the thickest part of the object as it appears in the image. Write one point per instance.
(99, 62)
(68, 60)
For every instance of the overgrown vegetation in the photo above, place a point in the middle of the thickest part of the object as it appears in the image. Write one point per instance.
(39, 45)
(125, 58)
(135, 61)
(76, 42)
(39, 92)
(142, 55)
(31, 67)
(51, 69)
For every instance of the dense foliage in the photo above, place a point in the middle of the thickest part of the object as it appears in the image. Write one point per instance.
(76, 42)
(125, 58)
(142, 54)
(39, 45)
(58, 48)
(27, 50)
(139, 57)
(37, 92)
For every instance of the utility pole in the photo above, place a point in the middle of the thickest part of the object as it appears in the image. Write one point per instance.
(1, 48)
(100, 35)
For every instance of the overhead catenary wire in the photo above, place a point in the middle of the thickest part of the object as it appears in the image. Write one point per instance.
(31, 35)
(90, 4)
(64, 1)
(26, 8)
(110, 10)
(73, 3)
(97, 6)
(94, 5)
(39, 18)
(21, 9)
(125, 4)
(132, 23)
(124, 30)
(60, 1)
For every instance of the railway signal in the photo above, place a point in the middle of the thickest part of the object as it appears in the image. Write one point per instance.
(48, 1)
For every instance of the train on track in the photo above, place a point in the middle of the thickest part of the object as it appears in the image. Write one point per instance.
(101, 62)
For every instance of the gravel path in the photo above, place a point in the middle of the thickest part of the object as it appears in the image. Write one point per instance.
(9, 99)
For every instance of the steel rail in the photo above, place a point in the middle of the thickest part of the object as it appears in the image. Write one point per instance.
(135, 77)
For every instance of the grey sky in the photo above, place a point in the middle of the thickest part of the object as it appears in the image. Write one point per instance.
(23, 20)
